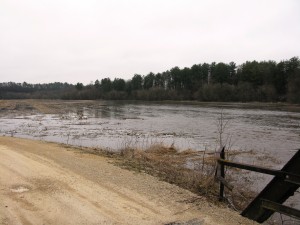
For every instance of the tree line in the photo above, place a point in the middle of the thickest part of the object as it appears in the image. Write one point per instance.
(266, 81)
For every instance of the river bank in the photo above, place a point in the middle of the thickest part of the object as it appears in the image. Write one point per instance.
(49, 183)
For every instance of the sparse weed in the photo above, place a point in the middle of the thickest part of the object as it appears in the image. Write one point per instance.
(181, 168)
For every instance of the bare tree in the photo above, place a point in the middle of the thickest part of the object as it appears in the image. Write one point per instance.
(222, 125)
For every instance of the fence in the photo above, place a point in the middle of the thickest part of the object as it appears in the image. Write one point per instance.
(285, 182)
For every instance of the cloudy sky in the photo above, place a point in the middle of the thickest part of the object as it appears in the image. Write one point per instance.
(84, 40)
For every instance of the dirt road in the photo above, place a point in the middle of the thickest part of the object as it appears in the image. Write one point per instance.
(45, 183)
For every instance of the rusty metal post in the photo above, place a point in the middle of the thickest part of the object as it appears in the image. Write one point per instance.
(222, 173)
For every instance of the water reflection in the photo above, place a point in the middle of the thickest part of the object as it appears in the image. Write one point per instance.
(110, 124)
(267, 134)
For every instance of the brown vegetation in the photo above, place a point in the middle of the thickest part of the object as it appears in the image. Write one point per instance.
(189, 169)
(180, 168)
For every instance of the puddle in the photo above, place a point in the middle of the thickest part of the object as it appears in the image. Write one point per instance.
(19, 189)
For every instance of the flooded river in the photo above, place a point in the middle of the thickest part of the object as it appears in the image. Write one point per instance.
(265, 135)
(115, 125)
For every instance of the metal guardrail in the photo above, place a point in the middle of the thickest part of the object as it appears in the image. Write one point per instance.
(270, 199)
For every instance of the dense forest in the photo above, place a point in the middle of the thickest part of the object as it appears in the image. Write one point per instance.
(266, 81)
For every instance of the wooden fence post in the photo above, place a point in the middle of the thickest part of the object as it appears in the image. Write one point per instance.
(222, 173)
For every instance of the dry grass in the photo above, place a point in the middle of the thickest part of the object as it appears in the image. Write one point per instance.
(191, 170)
(172, 166)
(33, 105)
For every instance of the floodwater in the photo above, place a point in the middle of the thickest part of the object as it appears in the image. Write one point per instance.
(115, 125)
(265, 135)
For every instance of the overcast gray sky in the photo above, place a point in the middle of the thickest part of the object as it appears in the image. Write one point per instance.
(84, 40)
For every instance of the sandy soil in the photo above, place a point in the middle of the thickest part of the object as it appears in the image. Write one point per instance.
(46, 183)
